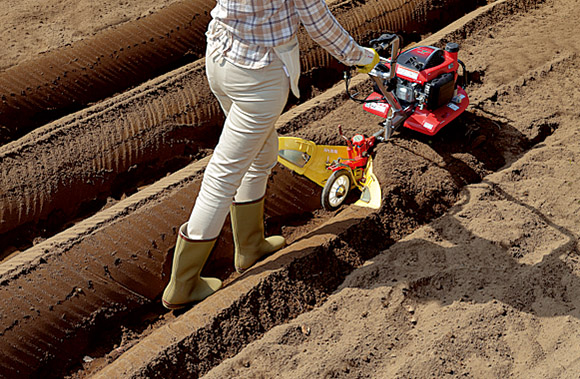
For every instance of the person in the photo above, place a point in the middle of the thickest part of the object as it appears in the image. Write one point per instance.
(252, 62)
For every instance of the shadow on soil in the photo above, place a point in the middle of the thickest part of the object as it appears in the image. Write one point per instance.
(493, 272)
(424, 183)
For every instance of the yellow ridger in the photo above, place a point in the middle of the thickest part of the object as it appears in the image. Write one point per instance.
(337, 169)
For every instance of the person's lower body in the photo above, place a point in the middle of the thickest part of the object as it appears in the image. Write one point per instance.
(236, 176)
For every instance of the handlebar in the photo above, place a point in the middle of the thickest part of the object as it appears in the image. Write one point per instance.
(384, 41)
(385, 75)
(380, 44)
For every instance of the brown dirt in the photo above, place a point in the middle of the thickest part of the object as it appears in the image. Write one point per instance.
(488, 289)
(491, 288)
(71, 77)
(29, 28)
(112, 60)
(74, 166)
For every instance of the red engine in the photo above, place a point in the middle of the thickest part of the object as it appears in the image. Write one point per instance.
(423, 63)
(426, 80)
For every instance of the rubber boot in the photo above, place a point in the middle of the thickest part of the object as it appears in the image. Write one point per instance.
(248, 231)
(186, 285)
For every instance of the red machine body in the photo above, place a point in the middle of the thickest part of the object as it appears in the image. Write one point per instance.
(423, 120)
(423, 63)
(416, 88)
(358, 149)
(426, 82)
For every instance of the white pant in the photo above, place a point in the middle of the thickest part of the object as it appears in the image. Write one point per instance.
(248, 147)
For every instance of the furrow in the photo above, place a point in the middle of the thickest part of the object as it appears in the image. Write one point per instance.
(87, 71)
(161, 126)
(69, 78)
(86, 150)
(98, 271)
(82, 295)
(80, 267)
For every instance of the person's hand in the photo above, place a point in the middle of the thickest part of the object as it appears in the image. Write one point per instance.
(368, 61)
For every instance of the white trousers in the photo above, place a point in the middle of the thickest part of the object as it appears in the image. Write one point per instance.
(248, 146)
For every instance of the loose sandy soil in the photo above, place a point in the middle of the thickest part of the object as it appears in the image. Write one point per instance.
(490, 289)
(28, 28)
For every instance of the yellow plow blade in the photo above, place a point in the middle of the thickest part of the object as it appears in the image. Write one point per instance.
(371, 190)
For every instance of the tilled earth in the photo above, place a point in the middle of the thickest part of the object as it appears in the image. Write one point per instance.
(470, 268)
(491, 288)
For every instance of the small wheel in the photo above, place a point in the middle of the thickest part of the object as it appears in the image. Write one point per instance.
(336, 189)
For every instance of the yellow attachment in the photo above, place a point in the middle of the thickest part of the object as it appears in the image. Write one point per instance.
(370, 190)
(306, 158)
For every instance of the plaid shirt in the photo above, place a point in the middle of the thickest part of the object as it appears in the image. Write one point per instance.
(244, 31)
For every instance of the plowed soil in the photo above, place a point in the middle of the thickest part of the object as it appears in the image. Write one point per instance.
(31, 28)
(491, 288)
(470, 268)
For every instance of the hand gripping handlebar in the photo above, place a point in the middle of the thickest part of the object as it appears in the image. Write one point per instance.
(379, 73)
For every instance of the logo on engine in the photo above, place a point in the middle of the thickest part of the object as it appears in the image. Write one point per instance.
(408, 73)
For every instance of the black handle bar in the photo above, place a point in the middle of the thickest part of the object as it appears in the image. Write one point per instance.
(383, 42)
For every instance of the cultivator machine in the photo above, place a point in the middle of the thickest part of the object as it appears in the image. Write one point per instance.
(418, 89)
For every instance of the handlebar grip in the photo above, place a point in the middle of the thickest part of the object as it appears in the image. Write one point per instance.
(383, 41)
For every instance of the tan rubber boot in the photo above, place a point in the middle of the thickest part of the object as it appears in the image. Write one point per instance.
(186, 285)
(248, 231)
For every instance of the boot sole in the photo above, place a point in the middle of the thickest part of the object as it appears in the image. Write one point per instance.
(176, 306)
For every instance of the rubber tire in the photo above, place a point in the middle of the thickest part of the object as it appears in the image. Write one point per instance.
(327, 192)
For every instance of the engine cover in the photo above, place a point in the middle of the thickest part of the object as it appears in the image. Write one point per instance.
(421, 58)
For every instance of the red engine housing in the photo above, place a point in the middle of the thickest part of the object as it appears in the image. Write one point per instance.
(424, 63)
(421, 65)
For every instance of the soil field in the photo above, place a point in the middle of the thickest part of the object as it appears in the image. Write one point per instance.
(490, 289)
(107, 151)
(32, 28)
(470, 268)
